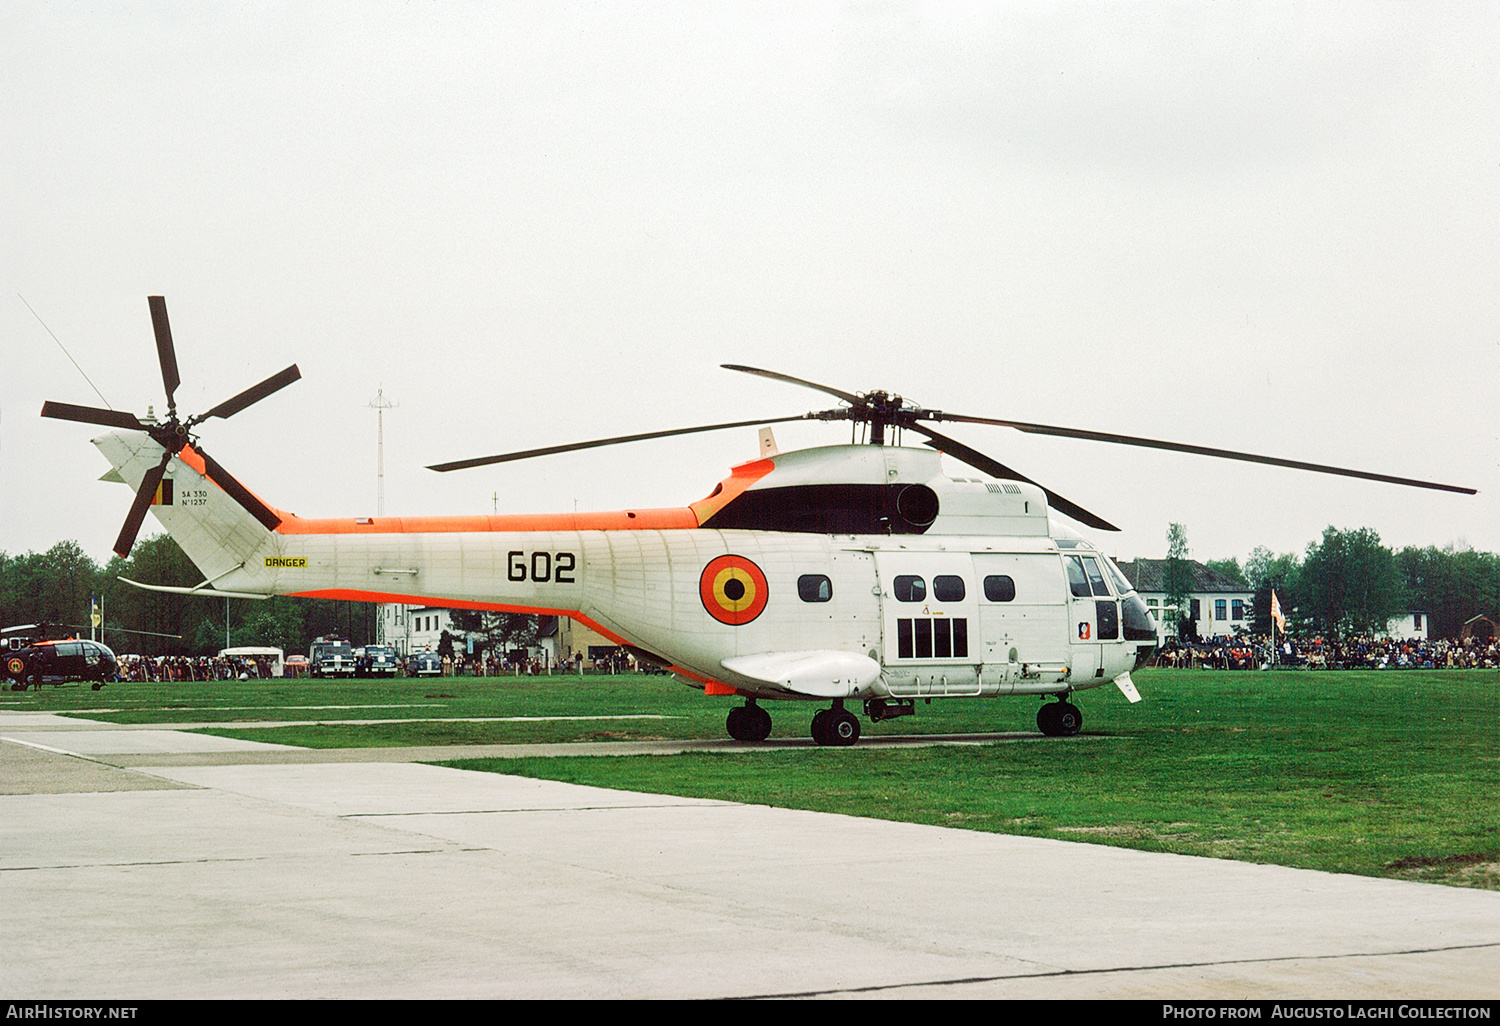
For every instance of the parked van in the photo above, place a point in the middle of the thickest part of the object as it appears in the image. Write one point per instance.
(274, 657)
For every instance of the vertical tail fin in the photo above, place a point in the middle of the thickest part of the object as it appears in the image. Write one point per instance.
(213, 527)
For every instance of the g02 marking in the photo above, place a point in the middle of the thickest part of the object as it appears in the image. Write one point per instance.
(541, 566)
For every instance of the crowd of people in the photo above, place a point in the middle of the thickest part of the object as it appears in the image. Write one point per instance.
(1360, 652)
(192, 668)
(210, 668)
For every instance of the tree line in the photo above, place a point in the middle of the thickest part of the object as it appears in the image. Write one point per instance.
(1348, 583)
(58, 586)
(1345, 583)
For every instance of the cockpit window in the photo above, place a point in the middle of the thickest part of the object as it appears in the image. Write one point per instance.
(1096, 579)
(1122, 586)
(1078, 582)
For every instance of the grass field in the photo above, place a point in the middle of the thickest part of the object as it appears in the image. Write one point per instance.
(1387, 774)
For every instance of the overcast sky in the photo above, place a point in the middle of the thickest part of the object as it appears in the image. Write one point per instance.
(1267, 227)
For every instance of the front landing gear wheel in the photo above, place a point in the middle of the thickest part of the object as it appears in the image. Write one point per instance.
(1059, 719)
(838, 727)
(843, 727)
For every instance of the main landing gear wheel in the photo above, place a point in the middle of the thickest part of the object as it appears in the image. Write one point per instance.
(838, 727)
(748, 722)
(1059, 719)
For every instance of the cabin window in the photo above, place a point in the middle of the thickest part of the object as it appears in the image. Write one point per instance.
(924, 637)
(831, 509)
(948, 588)
(938, 637)
(999, 588)
(909, 588)
(942, 638)
(814, 588)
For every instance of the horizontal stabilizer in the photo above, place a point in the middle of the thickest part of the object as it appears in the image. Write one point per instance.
(200, 591)
(821, 673)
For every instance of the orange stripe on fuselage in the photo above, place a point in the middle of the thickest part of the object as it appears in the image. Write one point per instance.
(679, 519)
(632, 520)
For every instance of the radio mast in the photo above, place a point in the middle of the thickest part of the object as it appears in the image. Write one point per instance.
(380, 405)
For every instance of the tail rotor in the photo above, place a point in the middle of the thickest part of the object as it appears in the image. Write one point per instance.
(174, 434)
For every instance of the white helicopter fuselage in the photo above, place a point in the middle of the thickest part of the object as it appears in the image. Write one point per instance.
(845, 572)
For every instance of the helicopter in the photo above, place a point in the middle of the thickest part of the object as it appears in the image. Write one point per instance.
(840, 574)
(30, 660)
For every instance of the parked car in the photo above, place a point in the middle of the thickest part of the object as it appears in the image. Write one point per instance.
(375, 661)
(297, 666)
(424, 664)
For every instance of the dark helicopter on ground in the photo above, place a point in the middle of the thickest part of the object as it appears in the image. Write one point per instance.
(31, 659)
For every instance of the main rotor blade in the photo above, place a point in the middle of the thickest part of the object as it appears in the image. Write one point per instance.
(165, 352)
(846, 396)
(221, 477)
(137, 515)
(229, 407)
(979, 461)
(1202, 450)
(550, 450)
(92, 415)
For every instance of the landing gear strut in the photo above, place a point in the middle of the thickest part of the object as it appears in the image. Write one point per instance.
(836, 726)
(1059, 719)
(748, 722)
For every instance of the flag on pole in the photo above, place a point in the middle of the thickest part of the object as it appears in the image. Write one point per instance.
(94, 616)
(1276, 614)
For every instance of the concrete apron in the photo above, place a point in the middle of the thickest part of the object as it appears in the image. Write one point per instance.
(244, 870)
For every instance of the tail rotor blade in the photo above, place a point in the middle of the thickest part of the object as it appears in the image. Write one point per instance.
(979, 461)
(242, 495)
(165, 351)
(255, 394)
(143, 496)
(92, 415)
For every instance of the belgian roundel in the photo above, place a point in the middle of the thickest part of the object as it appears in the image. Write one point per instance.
(733, 590)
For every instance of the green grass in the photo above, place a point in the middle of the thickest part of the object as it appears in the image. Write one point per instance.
(1383, 774)
(1391, 773)
(427, 711)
